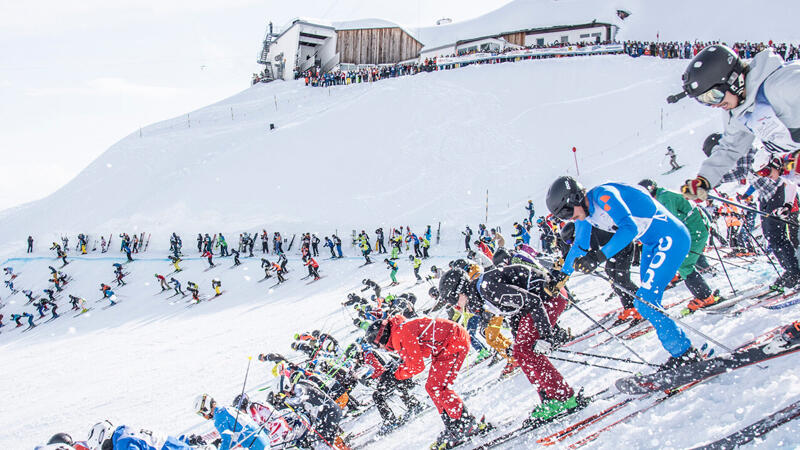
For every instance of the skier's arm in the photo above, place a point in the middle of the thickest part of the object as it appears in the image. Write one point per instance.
(610, 201)
(735, 143)
(581, 245)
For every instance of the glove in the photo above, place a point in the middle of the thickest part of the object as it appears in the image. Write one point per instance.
(557, 281)
(542, 347)
(696, 189)
(588, 262)
(782, 211)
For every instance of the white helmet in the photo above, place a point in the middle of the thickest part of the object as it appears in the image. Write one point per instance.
(764, 160)
(202, 404)
(99, 433)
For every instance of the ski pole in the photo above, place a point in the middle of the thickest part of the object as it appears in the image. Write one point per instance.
(757, 211)
(665, 314)
(584, 363)
(720, 257)
(717, 259)
(772, 263)
(612, 358)
(241, 396)
(574, 305)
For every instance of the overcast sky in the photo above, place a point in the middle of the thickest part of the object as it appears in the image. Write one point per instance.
(75, 77)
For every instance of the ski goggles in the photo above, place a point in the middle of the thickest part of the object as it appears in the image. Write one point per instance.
(713, 96)
(565, 213)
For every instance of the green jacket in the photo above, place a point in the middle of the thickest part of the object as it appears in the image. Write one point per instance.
(691, 216)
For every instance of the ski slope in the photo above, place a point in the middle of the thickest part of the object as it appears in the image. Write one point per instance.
(412, 150)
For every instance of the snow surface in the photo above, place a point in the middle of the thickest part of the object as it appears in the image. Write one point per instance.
(411, 150)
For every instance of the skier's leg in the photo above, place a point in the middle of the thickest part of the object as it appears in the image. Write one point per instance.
(659, 264)
(443, 372)
(618, 269)
(539, 370)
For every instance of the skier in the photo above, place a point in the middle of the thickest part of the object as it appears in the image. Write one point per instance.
(304, 396)
(251, 243)
(163, 282)
(119, 274)
(760, 101)
(195, 290)
(283, 261)
(28, 293)
(210, 256)
(235, 254)
(697, 225)
(673, 159)
(447, 344)
(631, 214)
(199, 243)
(267, 266)
(329, 244)
(175, 260)
(518, 293)
(241, 432)
(416, 262)
(127, 249)
(369, 284)
(313, 267)
(217, 286)
(30, 244)
(411, 237)
(776, 195)
(176, 286)
(391, 265)
(531, 211)
(617, 268)
(74, 301)
(30, 320)
(315, 245)
(467, 237)
(365, 250)
(108, 293)
(425, 244)
(223, 245)
(379, 240)
(338, 243)
(520, 235)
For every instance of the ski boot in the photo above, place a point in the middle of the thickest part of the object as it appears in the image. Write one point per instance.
(414, 409)
(483, 354)
(697, 303)
(687, 358)
(510, 368)
(789, 337)
(459, 431)
(551, 409)
(629, 314)
(496, 358)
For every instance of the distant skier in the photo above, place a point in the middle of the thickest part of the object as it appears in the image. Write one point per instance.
(673, 159)
(199, 243)
(163, 282)
(338, 243)
(283, 261)
(313, 267)
(176, 285)
(210, 256)
(195, 290)
(108, 293)
(264, 242)
(467, 237)
(392, 266)
(235, 254)
(223, 246)
(416, 263)
(175, 260)
(30, 244)
(379, 240)
(217, 286)
(314, 245)
(531, 211)
(369, 284)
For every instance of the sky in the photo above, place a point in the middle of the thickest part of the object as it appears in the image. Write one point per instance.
(76, 77)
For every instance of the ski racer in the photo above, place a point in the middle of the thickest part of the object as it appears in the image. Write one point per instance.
(759, 99)
(520, 235)
(447, 344)
(163, 282)
(630, 213)
(697, 224)
(216, 285)
(305, 397)
(236, 430)
(393, 267)
(313, 267)
(416, 263)
(176, 285)
(210, 256)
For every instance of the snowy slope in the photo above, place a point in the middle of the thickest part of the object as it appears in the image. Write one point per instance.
(411, 150)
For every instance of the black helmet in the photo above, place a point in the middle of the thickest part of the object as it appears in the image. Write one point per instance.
(501, 257)
(453, 282)
(433, 269)
(563, 196)
(459, 263)
(433, 292)
(650, 185)
(567, 233)
(364, 281)
(61, 438)
(241, 401)
(711, 141)
(716, 68)
(378, 332)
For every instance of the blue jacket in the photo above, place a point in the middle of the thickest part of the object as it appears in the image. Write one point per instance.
(125, 438)
(253, 436)
(622, 209)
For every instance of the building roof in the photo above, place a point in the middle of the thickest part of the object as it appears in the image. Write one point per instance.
(520, 15)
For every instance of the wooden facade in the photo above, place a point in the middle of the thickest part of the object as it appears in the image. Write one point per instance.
(376, 46)
(517, 38)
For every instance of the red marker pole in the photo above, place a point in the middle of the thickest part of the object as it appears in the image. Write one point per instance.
(575, 155)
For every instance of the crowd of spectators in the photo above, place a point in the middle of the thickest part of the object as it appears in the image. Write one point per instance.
(668, 50)
(687, 50)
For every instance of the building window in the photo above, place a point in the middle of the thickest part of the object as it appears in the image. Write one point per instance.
(585, 36)
(564, 39)
(539, 41)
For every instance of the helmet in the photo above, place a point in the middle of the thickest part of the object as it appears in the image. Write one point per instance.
(433, 292)
(240, 401)
(364, 281)
(99, 433)
(410, 257)
(714, 71)
(202, 404)
(764, 161)
(501, 257)
(433, 269)
(711, 141)
(567, 233)
(453, 282)
(459, 263)
(60, 438)
(563, 196)
(378, 333)
(650, 185)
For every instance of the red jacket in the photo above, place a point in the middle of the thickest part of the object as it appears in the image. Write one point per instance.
(421, 338)
(312, 262)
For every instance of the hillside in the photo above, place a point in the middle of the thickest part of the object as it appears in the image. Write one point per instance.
(414, 150)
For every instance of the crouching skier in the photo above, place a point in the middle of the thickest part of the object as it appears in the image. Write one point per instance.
(235, 430)
(447, 344)
(630, 213)
(517, 292)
